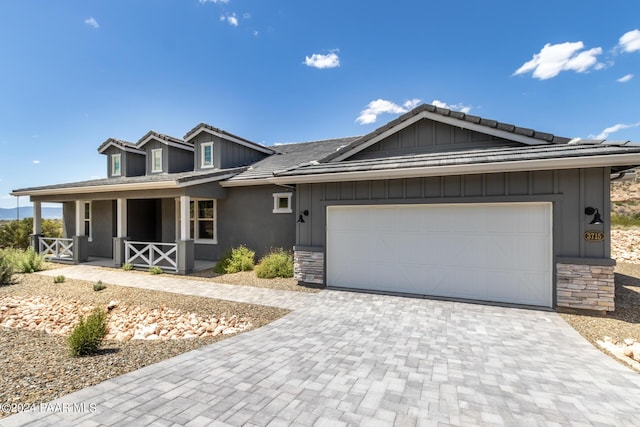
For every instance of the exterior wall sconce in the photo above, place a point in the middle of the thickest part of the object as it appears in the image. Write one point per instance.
(301, 217)
(596, 215)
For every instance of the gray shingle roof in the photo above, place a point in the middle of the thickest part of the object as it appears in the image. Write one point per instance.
(178, 178)
(494, 155)
(290, 156)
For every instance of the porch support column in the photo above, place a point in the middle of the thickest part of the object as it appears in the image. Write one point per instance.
(80, 241)
(186, 247)
(119, 255)
(37, 226)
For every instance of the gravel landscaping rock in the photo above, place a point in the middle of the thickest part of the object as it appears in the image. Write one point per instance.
(36, 366)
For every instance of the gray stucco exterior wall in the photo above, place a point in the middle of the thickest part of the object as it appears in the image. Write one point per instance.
(246, 217)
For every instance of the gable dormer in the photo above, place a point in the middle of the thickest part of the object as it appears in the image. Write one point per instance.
(166, 154)
(123, 158)
(217, 149)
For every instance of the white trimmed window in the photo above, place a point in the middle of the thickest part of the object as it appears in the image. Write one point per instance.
(206, 155)
(202, 220)
(87, 220)
(282, 202)
(116, 164)
(156, 160)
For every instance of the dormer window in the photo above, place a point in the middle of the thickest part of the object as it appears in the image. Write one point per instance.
(156, 160)
(206, 155)
(116, 161)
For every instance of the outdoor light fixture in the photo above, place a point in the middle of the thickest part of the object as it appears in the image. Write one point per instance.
(301, 218)
(596, 215)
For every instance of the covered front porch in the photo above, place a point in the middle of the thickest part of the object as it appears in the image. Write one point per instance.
(175, 234)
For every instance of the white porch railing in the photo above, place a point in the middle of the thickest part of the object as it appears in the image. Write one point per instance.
(146, 254)
(56, 247)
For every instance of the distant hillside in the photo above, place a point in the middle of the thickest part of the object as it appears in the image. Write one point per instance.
(27, 212)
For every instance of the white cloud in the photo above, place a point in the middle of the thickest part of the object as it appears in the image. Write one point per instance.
(555, 58)
(612, 129)
(36, 162)
(457, 107)
(630, 41)
(231, 19)
(330, 60)
(625, 78)
(382, 106)
(92, 22)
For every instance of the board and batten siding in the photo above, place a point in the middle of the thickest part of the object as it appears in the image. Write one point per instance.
(427, 136)
(569, 190)
(226, 154)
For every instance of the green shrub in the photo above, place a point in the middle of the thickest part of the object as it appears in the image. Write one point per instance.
(58, 279)
(277, 263)
(127, 266)
(15, 234)
(155, 270)
(87, 335)
(24, 261)
(98, 286)
(223, 263)
(6, 269)
(242, 259)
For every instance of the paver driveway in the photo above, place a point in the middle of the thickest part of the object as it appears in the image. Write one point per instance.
(360, 359)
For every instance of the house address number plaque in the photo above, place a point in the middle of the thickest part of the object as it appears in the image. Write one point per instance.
(593, 235)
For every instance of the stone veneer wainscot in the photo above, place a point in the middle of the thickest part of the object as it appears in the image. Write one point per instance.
(586, 284)
(308, 264)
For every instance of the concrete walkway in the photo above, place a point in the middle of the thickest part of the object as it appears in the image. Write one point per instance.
(358, 359)
(182, 285)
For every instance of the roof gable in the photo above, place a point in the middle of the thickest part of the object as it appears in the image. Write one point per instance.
(206, 128)
(508, 133)
(119, 144)
(164, 139)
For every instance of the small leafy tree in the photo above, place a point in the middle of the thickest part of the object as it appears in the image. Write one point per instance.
(15, 234)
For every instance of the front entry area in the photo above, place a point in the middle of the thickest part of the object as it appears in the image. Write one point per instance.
(500, 252)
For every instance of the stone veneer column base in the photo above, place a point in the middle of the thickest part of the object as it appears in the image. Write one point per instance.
(586, 284)
(308, 264)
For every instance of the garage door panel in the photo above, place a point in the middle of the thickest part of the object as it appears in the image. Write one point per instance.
(494, 252)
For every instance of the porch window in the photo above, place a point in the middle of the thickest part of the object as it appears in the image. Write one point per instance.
(156, 160)
(202, 217)
(87, 220)
(115, 164)
(282, 202)
(206, 152)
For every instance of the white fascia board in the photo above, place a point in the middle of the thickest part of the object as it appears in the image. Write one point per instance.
(246, 182)
(119, 147)
(204, 180)
(160, 185)
(477, 168)
(165, 142)
(254, 146)
(511, 136)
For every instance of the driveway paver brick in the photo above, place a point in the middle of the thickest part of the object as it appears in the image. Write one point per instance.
(343, 358)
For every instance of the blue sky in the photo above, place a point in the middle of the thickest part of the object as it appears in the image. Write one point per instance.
(73, 74)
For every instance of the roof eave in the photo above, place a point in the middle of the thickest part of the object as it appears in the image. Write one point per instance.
(101, 188)
(476, 168)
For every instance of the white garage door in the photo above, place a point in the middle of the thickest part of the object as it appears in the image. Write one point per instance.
(491, 252)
